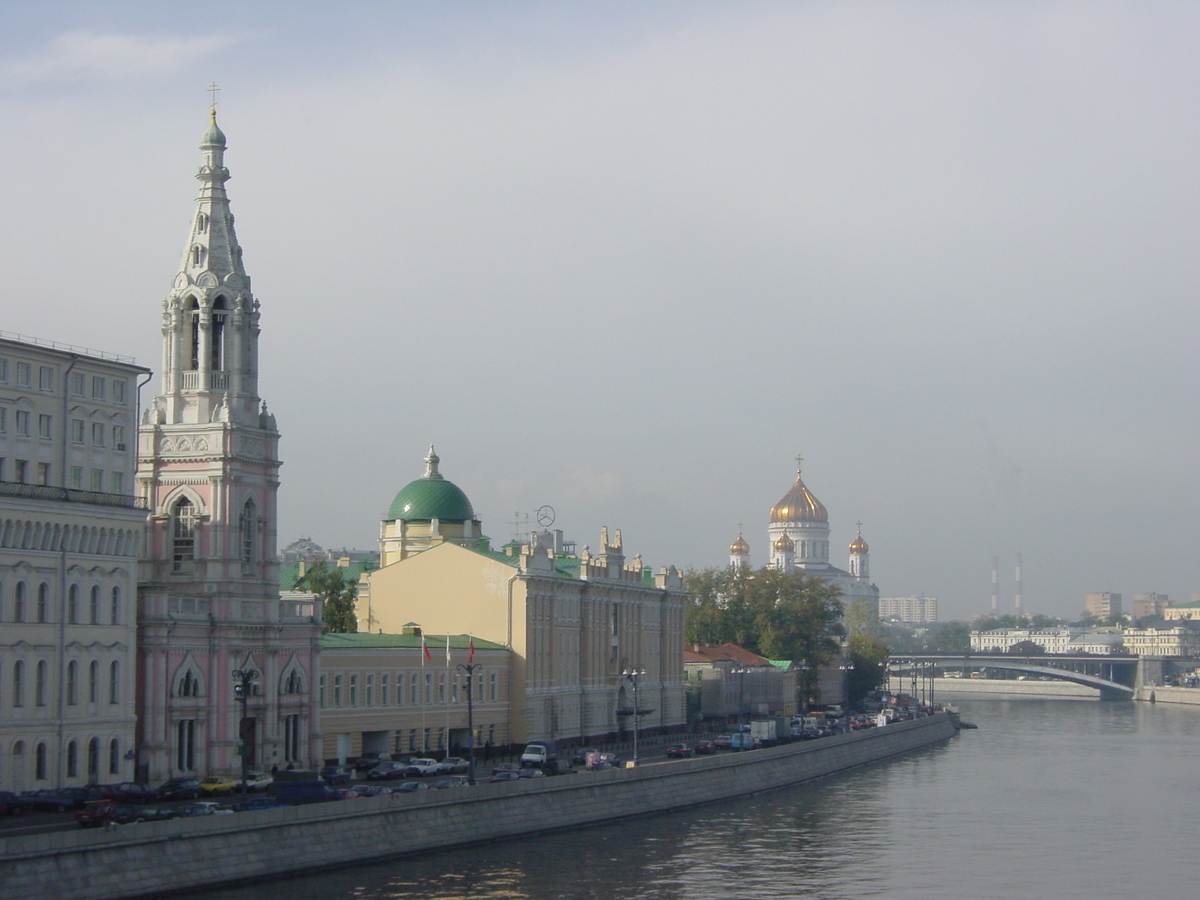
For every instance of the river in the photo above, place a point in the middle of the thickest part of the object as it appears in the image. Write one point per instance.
(1048, 798)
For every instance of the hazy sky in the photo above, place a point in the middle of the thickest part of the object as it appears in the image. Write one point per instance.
(629, 259)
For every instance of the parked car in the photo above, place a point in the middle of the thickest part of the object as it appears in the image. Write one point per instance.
(409, 786)
(704, 748)
(47, 800)
(369, 761)
(127, 792)
(155, 814)
(505, 767)
(679, 750)
(335, 775)
(252, 803)
(423, 767)
(453, 765)
(257, 781)
(99, 812)
(203, 808)
(580, 756)
(387, 771)
(453, 781)
(531, 773)
(12, 805)
(724, 742)
(81, 795)
(507, 775)
(213, 785)
(180, 789)
(366, 790)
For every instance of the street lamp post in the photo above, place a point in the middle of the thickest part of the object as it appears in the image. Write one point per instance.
(470, 669)
(242, 687)
(633, 675)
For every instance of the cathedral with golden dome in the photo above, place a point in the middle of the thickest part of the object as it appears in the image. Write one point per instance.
(798, 538)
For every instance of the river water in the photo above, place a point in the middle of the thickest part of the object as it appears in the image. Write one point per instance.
(1047, 799)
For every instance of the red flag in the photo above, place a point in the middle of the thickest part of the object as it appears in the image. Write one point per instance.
(471, 651)
(425, 648)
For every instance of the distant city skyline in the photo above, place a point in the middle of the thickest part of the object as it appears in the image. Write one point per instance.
(628, 260)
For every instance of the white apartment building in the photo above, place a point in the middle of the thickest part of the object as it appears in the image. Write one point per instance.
(909, 610)
(70, 535)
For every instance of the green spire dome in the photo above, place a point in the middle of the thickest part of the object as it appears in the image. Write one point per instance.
(213, 136)
(431, 497)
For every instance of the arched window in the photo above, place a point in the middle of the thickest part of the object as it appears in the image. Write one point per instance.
(189, 685)
(19, 602)
(94, 609)
(184, 536)
(39, 684)
(94, 682)
(201, 223)
(116, 606)
(72, 683)
(18, 684)
(216, 335)
(40, 762)
(72, 760)
(247, 523)
(73, 604)
(114, 682)
(293, 684)
(193, 321)
(114, 757)
(43, 603)
(93, 759)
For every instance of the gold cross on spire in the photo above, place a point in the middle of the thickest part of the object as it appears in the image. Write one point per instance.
(212, 89)
(799, 463)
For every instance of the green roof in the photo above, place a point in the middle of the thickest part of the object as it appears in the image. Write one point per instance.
(431, 497)
(213, 135)
(435, 642)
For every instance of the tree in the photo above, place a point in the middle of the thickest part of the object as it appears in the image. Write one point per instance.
(1027, 648)
(948, 637)
(337, 595)
(772, 613)
(867, 652)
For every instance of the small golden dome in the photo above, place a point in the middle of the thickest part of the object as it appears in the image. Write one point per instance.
(859, 545)
(799, 505)
(739, 547)
(785, 544)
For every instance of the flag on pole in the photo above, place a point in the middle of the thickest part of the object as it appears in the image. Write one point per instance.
(471, 651)
(425, 648)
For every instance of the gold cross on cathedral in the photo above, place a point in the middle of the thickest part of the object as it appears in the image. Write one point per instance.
(799, 463)
(212, 89)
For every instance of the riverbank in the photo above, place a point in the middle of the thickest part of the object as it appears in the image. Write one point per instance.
(1161, 694)
(1007, 688)
(157, 859)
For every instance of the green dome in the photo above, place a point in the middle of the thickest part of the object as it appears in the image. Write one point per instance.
(431, 497)
(213, 135)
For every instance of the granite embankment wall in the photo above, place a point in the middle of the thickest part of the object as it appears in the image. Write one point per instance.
(1008, 688)
(1160, 694)
(160, 858)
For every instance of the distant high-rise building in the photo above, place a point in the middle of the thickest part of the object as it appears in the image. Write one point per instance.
(909, 610)
(1149, 605)
(1103, 605)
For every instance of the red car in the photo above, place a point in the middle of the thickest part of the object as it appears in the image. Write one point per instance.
(679, 751)
(98, 812)
(704, 748)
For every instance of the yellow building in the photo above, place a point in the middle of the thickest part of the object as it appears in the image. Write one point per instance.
(573, 623)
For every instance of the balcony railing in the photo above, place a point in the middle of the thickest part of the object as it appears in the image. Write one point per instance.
(69, 495)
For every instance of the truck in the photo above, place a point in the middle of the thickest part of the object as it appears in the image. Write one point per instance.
(538, 754)
(765, 731)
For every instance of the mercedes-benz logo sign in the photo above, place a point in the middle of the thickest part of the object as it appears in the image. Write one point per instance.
(545, 516)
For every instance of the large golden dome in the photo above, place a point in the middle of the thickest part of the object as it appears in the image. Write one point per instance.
(799, 505)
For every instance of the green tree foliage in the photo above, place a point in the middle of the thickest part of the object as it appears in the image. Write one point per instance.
(769, 612)
(867, 651)
(337, 595)
(948, 637)
(1027, 648)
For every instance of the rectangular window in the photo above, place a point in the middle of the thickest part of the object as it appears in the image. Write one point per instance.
(97, 434)
(370, 691)
(337, 690)
(98, 387)
(321, 692)
(77, 431)
(2, 461)
(3, 419)
(384, 699)
(412, 690)
(119, 437)
(77, 477)
(492, 688)
(23, 422)
(45, 378)
(441, 689)
(454, 690)
(45, 426)
(77, 384)
(20, 470)
(118, 483)
(98, 480)
(43, 473)
(118, 392)
(24, 375)
(354, 690)
(3, 371)
(428, 688)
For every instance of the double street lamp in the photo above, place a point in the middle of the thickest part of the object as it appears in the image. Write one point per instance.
(632, 676)
(470, 669)
(243, 686)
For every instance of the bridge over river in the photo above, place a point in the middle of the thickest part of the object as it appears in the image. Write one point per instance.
(1114, 677)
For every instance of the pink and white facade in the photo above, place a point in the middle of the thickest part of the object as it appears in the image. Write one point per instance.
(208, 464)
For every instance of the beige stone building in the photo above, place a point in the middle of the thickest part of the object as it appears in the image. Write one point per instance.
(380, 693)
(1103, 604)
(573, 623)
(731, 683)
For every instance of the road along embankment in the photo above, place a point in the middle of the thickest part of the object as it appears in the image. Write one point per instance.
(161, 858)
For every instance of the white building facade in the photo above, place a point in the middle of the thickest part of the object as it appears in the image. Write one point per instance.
(909, 610)
(209, 602)
(71, 531)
